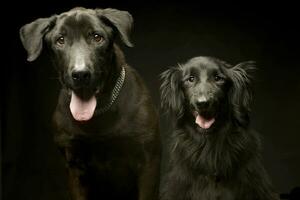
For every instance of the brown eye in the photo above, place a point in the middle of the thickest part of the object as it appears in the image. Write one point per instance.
(60, 40)
(98, 38)
(218, 78)
(191, 79)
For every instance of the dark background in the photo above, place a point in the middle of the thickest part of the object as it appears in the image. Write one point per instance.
(164, 34)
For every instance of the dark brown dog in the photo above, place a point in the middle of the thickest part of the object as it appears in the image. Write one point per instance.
(106, 124)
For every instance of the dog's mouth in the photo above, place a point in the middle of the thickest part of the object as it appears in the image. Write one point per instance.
(204, 121)
(83, 104)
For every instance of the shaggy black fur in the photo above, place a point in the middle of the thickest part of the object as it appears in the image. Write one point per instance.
(115, 154)
(221, 161)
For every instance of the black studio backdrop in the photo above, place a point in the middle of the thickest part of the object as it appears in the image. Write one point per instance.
(164, 34)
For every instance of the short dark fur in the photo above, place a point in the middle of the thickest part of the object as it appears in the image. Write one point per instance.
(222, 162)
(116, 154)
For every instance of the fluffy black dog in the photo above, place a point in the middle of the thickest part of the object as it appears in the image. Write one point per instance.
(106, 124)
(214, 155)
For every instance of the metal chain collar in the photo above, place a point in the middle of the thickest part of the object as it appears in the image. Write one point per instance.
(115, 92)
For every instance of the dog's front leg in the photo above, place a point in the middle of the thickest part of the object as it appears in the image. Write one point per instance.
(76, 189)
(148, 181)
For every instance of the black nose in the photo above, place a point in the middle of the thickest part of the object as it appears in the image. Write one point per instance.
(81, 77)
(202, 104)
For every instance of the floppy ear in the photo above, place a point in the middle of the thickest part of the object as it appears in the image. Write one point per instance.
(32, 36)
(240, 94)
(121, 20)
(172, 97)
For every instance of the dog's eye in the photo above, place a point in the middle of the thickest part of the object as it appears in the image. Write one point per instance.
(218, 78)
(60, 40)
(191, 79)
(98, 38)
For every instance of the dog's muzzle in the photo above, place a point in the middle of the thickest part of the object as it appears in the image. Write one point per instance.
(203, 113)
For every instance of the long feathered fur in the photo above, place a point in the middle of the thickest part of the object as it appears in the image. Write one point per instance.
(172, 96)
(225, 164)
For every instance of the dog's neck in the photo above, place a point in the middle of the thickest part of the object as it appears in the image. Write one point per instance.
(115, 78)
(115, 64)
(114, 93)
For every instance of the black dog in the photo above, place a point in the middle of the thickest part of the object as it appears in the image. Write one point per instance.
(214, 155)
(106, 124)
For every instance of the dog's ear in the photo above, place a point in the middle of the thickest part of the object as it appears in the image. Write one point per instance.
(32, 35)
(240, 94)
(172, 97)
(121, 20)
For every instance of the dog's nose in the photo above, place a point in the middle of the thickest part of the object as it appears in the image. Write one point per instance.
(202, 103)
(81, 77)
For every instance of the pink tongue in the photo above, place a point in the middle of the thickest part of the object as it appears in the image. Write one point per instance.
(204, 123)
(82, 110)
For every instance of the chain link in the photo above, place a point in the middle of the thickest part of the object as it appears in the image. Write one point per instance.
(115, 92)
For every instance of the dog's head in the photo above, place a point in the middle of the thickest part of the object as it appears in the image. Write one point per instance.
(209, 90)
(81, 42)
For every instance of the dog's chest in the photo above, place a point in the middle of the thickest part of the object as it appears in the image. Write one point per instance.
(209, 189)
(108, 153)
